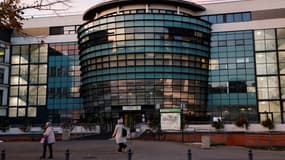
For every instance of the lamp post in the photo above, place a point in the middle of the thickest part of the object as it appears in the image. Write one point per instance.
(182, 105)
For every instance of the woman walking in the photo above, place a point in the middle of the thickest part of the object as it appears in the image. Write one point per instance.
(48, 140)
(120, 135)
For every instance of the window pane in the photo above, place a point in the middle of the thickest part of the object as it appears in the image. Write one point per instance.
(271, 57)
(260, 58)
(259, 34)
(229, 18)
(21, 112)
(56, 30)
(32, 112)
(237, 17)
(281, 43)
(269, 34)
(246, 16)
(281, 33)
(270, 44)
(12, 112)
(260, 45)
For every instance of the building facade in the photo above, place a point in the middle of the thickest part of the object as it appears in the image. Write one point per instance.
(5, 39)
(136, 57)
(140, 56)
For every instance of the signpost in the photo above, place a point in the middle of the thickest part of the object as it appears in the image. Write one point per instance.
(170, 119)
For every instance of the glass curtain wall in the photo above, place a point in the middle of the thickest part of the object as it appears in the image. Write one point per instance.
(64, 102)
(144, 59)
(28, 82)
(270, 58)
(232, 85)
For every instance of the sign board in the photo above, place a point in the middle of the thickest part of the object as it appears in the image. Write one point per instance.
(131, 108)
(170, 110)
(170, 121)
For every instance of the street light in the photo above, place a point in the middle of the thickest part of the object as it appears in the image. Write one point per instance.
(182, 106)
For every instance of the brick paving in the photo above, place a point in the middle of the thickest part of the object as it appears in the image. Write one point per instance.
(143, 150)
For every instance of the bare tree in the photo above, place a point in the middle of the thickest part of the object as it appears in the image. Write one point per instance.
(12, 11)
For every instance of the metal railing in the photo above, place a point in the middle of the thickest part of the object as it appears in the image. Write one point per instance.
(130, 154)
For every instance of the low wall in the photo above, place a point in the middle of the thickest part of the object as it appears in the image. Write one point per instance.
(249, 139)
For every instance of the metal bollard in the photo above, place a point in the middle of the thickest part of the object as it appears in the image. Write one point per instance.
(250, 157)
(130, 154)
(189, 154)
(67, 154)
(3, 155)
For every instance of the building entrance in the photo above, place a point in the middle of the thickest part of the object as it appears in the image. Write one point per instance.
(131, 119)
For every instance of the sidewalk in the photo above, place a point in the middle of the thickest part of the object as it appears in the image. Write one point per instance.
(143, 150)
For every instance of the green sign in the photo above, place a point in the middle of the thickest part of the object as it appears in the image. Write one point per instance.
(170, 110)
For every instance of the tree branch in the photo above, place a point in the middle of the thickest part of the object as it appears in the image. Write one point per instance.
(46, 5)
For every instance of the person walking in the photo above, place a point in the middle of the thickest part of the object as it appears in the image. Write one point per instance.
(48, 140)
(120, 135)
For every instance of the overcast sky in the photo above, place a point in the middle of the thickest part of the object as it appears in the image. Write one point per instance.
(80, 6)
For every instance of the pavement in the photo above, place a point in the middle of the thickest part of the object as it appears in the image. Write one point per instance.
(142, 150)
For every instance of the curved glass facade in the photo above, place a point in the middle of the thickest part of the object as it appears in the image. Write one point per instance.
(146, 60)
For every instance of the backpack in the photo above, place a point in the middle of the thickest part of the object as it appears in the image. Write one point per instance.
(124, 132)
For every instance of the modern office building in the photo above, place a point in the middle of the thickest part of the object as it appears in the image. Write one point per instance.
(131, 58)
(4, 71)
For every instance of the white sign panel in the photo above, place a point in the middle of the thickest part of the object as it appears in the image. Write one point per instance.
(131, 108)
(170, 121)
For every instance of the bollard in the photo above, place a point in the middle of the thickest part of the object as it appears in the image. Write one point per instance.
(130, 154)
(250, 155)
(189, 154)
(67, 154)
(3, 155)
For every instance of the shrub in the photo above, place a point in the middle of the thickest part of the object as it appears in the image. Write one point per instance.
(242, 123)
(218, 124)
(4, 125)
(268, 123)
(67, 125)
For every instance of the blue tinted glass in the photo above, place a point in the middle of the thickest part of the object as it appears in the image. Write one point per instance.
(246, 16)
(220, 19)
(204, 18)
(237, 17)
(229, 18)
(213, 19)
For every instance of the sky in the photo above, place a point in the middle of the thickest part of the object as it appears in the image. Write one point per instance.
(80, 6)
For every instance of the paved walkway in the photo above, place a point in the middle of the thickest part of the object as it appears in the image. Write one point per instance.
(143, 150)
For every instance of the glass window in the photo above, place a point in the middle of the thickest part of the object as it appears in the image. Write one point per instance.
(32, 112)
(281, 33)
(12, 112)
(259, 34)
(2, 55)
(271, 68)
(237, 17)
(269, 34)
(270, 44)
(229, 18)
(21, 112)
(260, 58)
(260, 45)
(246, 16)
(3, 112)
(281, 44)
(56, 30)
(220, 19)
(237, 87)
(213, 19)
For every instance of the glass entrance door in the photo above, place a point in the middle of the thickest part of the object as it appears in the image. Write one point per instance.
(131, 119)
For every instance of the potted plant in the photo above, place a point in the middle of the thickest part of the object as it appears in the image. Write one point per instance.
(242, 123)
(268, 123)
(219, 124)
